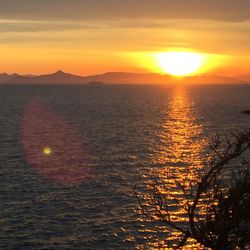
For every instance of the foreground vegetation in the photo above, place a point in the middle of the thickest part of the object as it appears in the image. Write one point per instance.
(217, 206)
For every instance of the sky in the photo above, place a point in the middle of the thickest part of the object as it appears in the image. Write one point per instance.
(89, 36)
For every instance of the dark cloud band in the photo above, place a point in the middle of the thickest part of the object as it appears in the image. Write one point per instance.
(223, 10)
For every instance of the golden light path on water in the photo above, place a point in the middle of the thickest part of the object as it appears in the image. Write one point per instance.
(179, 157)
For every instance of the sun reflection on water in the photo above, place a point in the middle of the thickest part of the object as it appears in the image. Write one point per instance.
(179, 158)
(181, 139)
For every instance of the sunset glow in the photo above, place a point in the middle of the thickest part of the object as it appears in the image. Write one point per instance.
(125, 124)
(89, 40)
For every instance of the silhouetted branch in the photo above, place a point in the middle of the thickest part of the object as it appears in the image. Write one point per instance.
(226, 220)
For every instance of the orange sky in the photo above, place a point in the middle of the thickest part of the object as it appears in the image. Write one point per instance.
(86, 37)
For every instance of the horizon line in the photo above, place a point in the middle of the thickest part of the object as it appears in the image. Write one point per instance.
(120, 72)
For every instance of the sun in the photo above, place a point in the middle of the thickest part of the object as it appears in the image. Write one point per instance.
(180, 64)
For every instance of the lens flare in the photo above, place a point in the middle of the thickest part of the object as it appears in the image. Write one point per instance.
(53, 147)
(47, 151)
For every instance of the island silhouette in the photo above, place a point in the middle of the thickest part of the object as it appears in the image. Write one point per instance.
(61, 77)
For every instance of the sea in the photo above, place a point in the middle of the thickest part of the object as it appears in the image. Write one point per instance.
(71, 158)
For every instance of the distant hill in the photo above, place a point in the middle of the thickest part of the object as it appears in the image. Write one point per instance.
(61, 77)
(127, 78)
(6, 77)
(208, 79)
(58, 77)
(245, 78)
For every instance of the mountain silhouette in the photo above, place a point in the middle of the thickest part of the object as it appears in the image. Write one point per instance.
(245, 78)
(60, 77)
(6, 77)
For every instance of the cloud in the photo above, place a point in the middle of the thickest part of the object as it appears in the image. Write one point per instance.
(40, 26)
(223, 10)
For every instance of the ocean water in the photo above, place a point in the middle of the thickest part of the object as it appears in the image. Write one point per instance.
(70, 155)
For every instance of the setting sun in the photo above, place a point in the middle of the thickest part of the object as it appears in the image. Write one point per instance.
(180, 63)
